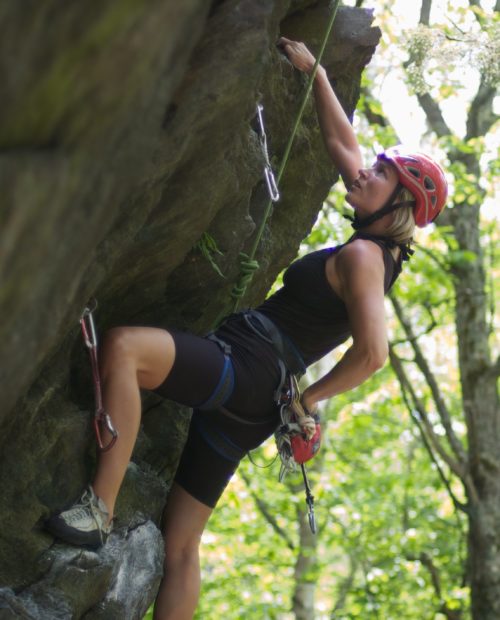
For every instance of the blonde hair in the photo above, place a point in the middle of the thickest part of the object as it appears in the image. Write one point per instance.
(402, 228)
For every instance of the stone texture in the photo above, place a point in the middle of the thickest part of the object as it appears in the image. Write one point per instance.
(126, 133)
(118, 581)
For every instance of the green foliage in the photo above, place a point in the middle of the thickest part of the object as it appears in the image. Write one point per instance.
(208, 248)
(379, 505)
(437, 51)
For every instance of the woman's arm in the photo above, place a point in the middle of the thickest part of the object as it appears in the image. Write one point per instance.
(360, 270)
(338, 134)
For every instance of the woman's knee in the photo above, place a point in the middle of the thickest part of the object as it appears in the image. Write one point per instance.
(184, 553)
(117, 345)
(148, 351)
(184, 521)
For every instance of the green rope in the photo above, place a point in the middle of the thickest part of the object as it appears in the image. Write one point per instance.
(247, 268)
(248, 264)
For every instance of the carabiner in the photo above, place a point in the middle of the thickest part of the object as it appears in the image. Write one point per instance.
(312, 520)
(309, 501)
(103, 418)
(260, 109)
(272, 188)
(100, 417)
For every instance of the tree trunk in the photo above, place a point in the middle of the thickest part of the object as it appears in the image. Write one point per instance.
(481, 409)
(305, 570)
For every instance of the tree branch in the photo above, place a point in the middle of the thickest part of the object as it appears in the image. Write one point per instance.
(267, 514)
(426, 331)
(426, 560)
(344, 588)
(376, 118)
(477, 3)
(495, 368)
(421, 362)
(420, 419)
(434, 116)
(425, 12)
(481, 116)
(434, 256)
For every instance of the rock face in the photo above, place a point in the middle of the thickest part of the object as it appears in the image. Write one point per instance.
(127, 134)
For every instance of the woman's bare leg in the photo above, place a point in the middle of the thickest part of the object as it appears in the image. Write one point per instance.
(184, 521)
(131, 358)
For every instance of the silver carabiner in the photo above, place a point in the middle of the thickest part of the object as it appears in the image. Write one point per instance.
(312, 520)
(260, 109)
(309, 501)
(87, 318)
(272, 187)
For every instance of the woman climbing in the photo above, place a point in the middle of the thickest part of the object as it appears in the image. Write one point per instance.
(231, 379)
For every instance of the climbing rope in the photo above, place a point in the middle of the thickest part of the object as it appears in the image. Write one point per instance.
(248, 264)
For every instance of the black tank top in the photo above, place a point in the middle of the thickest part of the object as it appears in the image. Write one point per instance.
(307, 309)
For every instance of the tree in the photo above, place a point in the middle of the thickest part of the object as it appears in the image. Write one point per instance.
(474, 459)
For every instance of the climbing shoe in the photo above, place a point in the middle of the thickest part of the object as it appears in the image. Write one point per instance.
(85, 523)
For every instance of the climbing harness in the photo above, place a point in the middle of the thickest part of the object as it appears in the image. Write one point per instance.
(288, 356)
(101, 418)
(224, 387)
(298, 437)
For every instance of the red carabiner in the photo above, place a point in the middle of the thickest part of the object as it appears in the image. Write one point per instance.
(104, 419)
(100, 416)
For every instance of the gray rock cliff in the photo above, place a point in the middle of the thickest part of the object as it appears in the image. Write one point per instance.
(127, 134)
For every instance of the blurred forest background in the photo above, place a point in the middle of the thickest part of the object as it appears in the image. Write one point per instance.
(406, 485)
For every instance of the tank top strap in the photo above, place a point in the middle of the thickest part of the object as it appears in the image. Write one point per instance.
(387, 244)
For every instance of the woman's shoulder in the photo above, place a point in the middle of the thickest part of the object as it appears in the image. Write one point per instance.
(360, 252)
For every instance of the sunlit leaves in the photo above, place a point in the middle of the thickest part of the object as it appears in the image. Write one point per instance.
(435, 52)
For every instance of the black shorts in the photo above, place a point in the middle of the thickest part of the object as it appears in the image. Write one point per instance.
(216, 442)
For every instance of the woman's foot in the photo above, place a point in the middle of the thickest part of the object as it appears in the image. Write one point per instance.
(85, 523)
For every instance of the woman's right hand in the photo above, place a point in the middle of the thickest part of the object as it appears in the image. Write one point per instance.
(308, 402)
(298, 54)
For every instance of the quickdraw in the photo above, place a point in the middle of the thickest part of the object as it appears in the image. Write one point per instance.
(273, 181)
(101, 418)
(298, 439)
(272, 187)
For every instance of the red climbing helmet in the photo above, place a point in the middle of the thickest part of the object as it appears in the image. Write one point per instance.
(424, 178)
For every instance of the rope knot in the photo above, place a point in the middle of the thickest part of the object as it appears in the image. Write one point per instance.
(248, 266)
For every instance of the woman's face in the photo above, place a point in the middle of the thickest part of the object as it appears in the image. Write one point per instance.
(373, 187)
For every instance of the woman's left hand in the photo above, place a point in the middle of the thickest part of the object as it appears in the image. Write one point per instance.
(298, 54)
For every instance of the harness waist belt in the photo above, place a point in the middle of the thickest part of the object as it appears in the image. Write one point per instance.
(284, 348)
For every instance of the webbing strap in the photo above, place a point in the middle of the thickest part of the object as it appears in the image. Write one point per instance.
(223, 390)
(283, 346)
(218, 441)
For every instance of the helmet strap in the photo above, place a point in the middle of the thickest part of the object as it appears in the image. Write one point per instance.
(389, 207)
